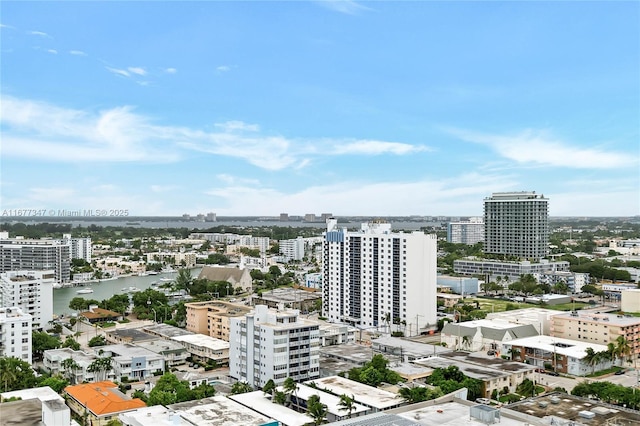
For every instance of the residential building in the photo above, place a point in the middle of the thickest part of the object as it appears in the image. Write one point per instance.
(53, 363)
(80, 248)
(600, 328)
(293, 298)
(95, 315)
(470, 232)
(215, 411)
(540, 318)
(335, 412)
(132, 361)
(505, 272)
(368, 396)
(262, 403)
(237, 277)
(458, 285)
(15, 334)
(32, 291)
(483, 335)
(630, 300)
(205, 348)
(373, 276)
(574, 280)
(517, 224)
(100, 402)
(313, 280)
(212, 317)
(495, 373)
(20, 254)
(174, 353)
(35, 406)
(557, 354)
(292, 249)
(269, 344)
(182, 259)
(336, 334)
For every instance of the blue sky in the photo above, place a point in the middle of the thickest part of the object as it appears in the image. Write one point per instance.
(369, 108)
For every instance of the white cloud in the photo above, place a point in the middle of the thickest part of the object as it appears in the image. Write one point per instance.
(223, 68)
(53, 51)
(43, 131)
(77, 53)
(231, 126)
(538, 147)
(7, 26)
(137, 71)
(348, 7)
(455, 196)
(39, 33)
(171, 70)
(234, 180)
(369, 147)
(117, 71)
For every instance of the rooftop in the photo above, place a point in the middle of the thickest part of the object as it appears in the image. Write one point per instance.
(331, 401)
(161, 346)
(165, 330)
(476, 366)
(262, 403)
(130, 334)
(103, 398)
(82, 358)
(349, 352)
(44, 393)
(218, 411)
(156, 415)
(604, 318)
(571, 348)
(289, 295)
(409, 348)
(203, 341)
(127, 350)
(364, 394)
(568, 407)
(21, 413)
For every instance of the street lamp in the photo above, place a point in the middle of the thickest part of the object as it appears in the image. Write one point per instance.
(155, 315)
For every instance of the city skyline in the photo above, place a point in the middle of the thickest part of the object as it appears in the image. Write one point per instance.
(368, 108)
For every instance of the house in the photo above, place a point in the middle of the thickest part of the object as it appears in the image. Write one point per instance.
(95, 314)
(235, 276)
(482, 335)
(100, 402)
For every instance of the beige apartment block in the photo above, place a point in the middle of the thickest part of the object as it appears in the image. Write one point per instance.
(599, 328)
(212, 317)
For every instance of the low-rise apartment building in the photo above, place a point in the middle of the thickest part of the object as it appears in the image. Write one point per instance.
(100, 402)
(212, 318)
(15, 334)
(205, 348)
(132, 361)
(511, 270)
(54, 363)
(268, 344)
(598, 328)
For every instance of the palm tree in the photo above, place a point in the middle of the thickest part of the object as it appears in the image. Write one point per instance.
(623, 348)
(347, 403)
(269, 387)
(8, 372)
(240, 387)
(70, 366)
(465, 341)
(280, 397)
(290, 388)
(317, 410)
(591, 358)
(387, 320)
(612, 351)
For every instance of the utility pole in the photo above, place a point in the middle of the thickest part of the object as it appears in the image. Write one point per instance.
(417, 327)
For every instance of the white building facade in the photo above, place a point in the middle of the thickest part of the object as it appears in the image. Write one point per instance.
(374, 277)
(19, 254)
(269, 344)
(517, 224)
(80, 248)
(32, 291)
(15, 334)
(292, 249)
(470, 232)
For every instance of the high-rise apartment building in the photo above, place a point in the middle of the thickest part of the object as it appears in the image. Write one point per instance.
(292, 249)
(468, 232)
(20, 254)
(31, 291)
(271, 344)
(80, 248)
(376, 278)
(15, 334)
(517, 224)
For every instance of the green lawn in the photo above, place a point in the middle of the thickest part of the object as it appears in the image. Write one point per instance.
(498, 305)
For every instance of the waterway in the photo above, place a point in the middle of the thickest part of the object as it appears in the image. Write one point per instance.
(106, 289)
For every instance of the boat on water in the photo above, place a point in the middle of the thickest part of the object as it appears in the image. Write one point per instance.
(142, 274)
(57, 285)
(85, 291)
(131, 289)
(152, 273)
(166, 280)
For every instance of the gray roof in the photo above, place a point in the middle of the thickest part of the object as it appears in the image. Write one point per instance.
(517, 330)
(217, 273)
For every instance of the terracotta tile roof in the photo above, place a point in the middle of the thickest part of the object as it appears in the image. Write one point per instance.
(103, 398)
(100, 313)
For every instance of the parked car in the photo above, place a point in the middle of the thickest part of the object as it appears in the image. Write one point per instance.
(553, 373)
(483, 401)
(619, 373)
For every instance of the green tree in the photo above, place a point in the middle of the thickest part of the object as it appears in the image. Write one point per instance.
(280, 397)
(41, 341)
(101, 366)
(70, 366)
(56, 383)
(184, 279)
(290, 388)
(317, 410)
(269, 387)
(371, 376)
(240, 387)
(170, 390)
(347, 403)
(623, 348)
(97, 341)
(16, 374)
(70, 342)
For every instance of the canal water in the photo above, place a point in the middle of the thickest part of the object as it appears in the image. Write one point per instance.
(106, 289)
